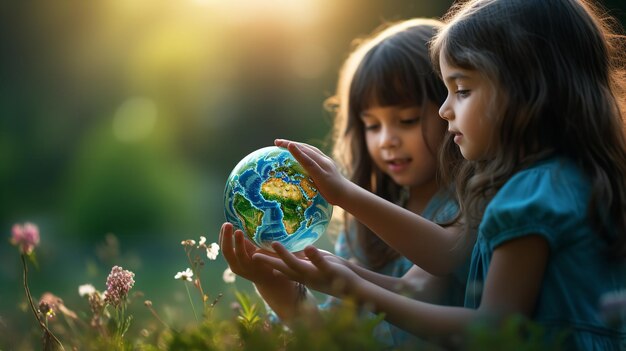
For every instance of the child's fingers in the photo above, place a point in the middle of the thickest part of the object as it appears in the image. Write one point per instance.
(223, 230)
(308, 149)
(317, 258)
(296, 151)
(311, 150)
(249, 246)
(303, 157)
(220, 238)
(240, 248)
(276, 263)
(225, 238)
(284, 276)
(290, 259)
(281, 142)
(226, 243)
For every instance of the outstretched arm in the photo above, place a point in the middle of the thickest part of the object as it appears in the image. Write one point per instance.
(416, 283)
(436, 249)
(511, 287)
(278, 292)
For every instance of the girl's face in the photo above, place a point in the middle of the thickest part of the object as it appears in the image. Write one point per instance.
(396, 144)
(466, 109)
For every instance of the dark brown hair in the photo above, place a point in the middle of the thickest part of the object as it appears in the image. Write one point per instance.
(390, 68)
(558, 67)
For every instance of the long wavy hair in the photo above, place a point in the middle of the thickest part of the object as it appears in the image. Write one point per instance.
(558, 67)
(390, 68)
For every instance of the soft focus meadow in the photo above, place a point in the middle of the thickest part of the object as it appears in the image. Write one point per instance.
(120, 121)
(118, 317)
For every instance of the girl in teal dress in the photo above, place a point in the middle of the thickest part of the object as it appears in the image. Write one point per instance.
(386, 136)
(535, 105)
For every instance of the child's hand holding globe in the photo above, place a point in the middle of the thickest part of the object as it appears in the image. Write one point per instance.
(270, 197)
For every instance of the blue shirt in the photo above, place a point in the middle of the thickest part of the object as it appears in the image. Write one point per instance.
(440, 209)
(550, 199)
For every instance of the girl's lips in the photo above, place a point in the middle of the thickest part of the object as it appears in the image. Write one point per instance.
(398, 165)
(457, 137)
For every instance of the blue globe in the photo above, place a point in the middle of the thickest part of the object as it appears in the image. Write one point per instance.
(270, 197)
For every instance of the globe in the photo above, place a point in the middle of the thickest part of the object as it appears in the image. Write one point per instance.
(270, 197)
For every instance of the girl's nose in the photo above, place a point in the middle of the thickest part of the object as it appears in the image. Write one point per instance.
(445, 111)
(389, 138)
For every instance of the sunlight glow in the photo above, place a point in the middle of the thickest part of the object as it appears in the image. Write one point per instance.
(135, 119)
(309, 61)
(297, 12)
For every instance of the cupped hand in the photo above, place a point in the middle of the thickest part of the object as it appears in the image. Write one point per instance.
(321, 168)
(319, 271)
(238, 251)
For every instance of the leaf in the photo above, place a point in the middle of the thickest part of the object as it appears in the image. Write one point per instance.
(33, 259)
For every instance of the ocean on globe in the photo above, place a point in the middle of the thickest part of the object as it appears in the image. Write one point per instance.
(270, 197)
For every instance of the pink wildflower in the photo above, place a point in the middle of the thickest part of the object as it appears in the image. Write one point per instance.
(25, 236)
(96, 302)
(119, 282)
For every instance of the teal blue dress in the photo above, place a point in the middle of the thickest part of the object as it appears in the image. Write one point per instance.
(550, 199)
(440, 209)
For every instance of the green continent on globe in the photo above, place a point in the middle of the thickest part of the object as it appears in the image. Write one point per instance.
(249, 215)
(291, 198)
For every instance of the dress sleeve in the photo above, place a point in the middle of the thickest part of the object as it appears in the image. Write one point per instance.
(551, 202)
(341, 246)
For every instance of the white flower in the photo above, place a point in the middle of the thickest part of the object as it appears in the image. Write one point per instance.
(228, 276)
(184, 275)
(86, 290)
(212, 251)
(202, 241)
(188, 242)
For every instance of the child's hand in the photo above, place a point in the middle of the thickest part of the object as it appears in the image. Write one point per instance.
(239, 257)
(320, 271)
(321, 168)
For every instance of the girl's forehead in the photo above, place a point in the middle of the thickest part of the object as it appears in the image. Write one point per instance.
(394, 107)
(446, 62)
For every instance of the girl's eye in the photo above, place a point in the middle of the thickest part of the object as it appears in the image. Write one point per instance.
(371, 127)
(462, 93)
(410, 121)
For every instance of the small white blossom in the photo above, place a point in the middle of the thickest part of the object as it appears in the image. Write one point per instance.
(228, 276)
(188, 242)
(86, 290)
(202, 241)
(212, 251)
(184, 275)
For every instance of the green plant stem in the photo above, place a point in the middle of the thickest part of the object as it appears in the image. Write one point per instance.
(43, 325)
(191, 301)
(196, 272)
(156, 315)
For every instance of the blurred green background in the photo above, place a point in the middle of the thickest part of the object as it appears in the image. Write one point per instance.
(125, 117)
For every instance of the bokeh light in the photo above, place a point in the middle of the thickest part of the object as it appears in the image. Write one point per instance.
(135, 119)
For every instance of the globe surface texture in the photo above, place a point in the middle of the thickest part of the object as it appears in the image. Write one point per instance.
(270, 197)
